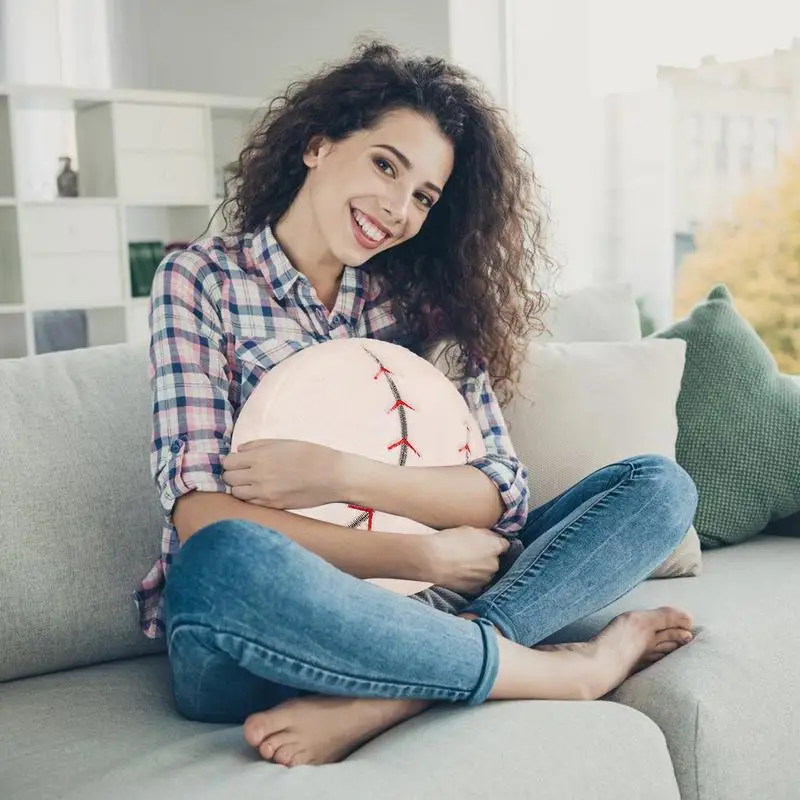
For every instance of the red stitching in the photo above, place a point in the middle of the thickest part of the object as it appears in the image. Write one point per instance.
(370, 512)
(400, 442)
(381, 371)
(398, 404)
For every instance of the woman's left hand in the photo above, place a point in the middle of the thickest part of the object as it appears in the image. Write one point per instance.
(284, 473)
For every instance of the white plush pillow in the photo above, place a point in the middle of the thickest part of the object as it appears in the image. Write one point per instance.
(369, 397)
(583, 405)
(602, 313)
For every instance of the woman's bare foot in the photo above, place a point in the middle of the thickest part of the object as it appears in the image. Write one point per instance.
(630, 643)
(319, 729)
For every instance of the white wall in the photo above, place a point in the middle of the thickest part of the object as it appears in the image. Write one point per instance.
(55, 42)
(561, 125)
(253, 47)
(478, 42)
(641, 195)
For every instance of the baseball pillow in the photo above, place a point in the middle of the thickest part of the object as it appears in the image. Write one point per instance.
(368, 397)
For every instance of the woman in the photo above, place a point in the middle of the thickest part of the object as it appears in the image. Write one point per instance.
(384, 197)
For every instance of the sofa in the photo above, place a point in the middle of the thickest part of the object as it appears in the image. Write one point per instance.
(85, 703)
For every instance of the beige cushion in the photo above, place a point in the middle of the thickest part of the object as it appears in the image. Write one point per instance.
(606, 313)
(584, 405)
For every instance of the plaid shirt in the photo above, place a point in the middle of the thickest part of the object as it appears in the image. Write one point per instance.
(223, 311)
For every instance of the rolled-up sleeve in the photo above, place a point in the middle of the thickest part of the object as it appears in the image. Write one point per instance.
(192, 413)
(500, 463)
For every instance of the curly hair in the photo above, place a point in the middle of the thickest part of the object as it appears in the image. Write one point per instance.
(469, 277)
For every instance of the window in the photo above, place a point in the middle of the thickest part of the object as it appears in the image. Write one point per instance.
(772, 143)
(721, 146)
(748, 144)
(694, 143)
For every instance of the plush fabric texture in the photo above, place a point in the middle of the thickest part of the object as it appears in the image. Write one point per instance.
(595, 313)
(80, 520)
(583, 405)
(729, 702)
(738, 423)
(110, 732)
(368, 397)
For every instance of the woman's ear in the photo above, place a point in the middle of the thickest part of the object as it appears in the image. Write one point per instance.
(318, 147)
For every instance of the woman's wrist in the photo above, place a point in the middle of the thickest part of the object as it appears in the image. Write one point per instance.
(410, 556)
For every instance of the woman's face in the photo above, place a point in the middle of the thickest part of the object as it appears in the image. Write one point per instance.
(374, 189)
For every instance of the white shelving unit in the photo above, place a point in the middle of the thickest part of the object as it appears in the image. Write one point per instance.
(150, 169)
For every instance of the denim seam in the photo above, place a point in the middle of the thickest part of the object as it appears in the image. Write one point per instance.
(483, 683)
(444, 692)
(601, 496)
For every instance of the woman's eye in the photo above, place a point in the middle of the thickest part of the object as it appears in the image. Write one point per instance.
(384, 166)
(425, 200)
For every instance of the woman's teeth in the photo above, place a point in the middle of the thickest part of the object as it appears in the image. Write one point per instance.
(370, 230)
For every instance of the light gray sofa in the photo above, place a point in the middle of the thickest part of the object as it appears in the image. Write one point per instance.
(85, 704)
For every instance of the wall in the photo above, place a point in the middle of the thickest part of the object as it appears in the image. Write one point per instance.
(254, 48)
(641, 195)
(561, 125)
(54, 42)
(478, 42)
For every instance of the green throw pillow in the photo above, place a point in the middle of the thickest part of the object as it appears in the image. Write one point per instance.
(738, 424)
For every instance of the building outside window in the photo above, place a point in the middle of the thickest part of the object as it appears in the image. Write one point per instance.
(747, 144)
(721, 145)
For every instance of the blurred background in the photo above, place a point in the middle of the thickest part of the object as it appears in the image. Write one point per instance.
(665, 136)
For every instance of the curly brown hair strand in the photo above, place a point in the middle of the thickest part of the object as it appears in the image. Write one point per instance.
(470, 275)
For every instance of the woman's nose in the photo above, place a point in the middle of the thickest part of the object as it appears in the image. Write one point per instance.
(396, 206)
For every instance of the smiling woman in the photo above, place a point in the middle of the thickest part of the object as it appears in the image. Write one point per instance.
(384, 198)
(380, 145)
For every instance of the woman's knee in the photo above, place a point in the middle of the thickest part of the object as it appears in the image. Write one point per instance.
(671, 478)
(229, 553)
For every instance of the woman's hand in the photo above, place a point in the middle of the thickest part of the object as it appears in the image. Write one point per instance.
(284, 473)
(464, 559)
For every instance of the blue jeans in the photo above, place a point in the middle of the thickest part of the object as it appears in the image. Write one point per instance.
(252, 618)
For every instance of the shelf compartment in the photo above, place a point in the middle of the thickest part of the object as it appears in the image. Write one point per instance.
(230, 128)
(73, 257)
(6, 156)
(70, 329)
(151, 231)
(51, 125)
(12, 335)
(138, 324)
(10, 269)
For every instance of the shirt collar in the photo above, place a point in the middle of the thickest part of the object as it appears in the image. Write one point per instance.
(269, 257)
(273, 262)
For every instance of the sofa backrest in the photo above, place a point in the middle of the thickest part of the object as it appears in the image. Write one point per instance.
(80, 519)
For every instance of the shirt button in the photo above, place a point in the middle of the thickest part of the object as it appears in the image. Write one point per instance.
(338, 319)
(176, 445)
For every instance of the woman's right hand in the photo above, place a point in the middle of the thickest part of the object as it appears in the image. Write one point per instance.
(464, 559)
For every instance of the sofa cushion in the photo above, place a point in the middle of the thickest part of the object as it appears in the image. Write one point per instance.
(81, 520)
(109, 731)
(583, 405)
(739, 423)
(729, 702)
(594, 313)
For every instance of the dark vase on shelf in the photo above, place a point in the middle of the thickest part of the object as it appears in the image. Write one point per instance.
(67, 181)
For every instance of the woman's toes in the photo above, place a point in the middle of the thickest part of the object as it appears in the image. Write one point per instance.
(257, 727)
(287, 754)
(268, 749)
(666, 647)
(675, 617)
